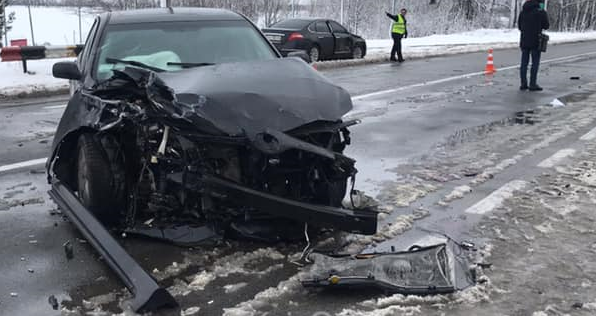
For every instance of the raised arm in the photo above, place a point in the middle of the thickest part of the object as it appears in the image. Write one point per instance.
(391, 16)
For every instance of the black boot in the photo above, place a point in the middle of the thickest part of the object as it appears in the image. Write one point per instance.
(535, 88)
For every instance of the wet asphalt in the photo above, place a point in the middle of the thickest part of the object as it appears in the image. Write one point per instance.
(397, 127)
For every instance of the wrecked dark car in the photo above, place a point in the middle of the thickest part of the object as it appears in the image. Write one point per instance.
(186, 124)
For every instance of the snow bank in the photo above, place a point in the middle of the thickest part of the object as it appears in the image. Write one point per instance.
(13, 82)
(451, 44)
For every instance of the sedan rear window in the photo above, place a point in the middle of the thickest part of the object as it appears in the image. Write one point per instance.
(199, 42)
(291, 24)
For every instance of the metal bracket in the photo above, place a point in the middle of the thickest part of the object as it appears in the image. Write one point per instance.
(360, 221)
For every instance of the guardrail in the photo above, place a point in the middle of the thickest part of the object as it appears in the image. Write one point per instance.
(24, 53)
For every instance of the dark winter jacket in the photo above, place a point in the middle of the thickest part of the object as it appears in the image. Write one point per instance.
(394, 18)
(532, 20)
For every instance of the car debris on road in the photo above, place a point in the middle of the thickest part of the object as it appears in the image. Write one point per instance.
(53, 302)
(438, 269)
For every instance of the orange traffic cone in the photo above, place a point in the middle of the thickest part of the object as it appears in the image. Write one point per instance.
(490, 66)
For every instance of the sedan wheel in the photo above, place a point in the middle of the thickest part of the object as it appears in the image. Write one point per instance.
(95, 181)
(314, 54)
(357, 53)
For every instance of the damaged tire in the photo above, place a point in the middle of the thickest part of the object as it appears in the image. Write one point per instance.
(96, 187)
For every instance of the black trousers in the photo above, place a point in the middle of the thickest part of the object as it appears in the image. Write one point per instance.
(396, 46)
(525, 60)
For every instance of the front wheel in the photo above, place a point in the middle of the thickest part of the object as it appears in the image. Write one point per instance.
(95, 182)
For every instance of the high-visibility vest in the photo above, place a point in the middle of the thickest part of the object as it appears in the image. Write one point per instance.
(399, 26)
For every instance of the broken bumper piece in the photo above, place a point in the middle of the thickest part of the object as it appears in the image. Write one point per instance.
(148, 295)
(438, 269)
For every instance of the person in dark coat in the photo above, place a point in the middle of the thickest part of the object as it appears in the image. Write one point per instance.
(398, 31)
(532, 20)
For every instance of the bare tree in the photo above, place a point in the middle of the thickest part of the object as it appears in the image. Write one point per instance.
(272, 10)
(6, 20)
(367, 18)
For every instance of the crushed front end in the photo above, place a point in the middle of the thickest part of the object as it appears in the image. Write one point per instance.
(210, 152)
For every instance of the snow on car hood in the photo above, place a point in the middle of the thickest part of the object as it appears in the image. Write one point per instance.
(247, 98)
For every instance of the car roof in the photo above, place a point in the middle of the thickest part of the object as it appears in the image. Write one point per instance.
(308, 19)
(172, 14)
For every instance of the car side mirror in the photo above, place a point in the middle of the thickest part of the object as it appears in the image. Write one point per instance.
(300, 54)
(66, 70)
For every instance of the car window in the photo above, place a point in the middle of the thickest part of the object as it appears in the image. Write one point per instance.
(291, 24)
(157, 44)
(337, 28)
(312, 28)
(322, 27)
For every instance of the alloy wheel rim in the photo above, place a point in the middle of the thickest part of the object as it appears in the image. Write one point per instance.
(314, 54)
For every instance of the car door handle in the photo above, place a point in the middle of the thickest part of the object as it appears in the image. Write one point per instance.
(321, 36)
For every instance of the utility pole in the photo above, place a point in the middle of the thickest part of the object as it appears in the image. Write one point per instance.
(545, 4)
(341, 12)
(80, 28)
(165, 3)
(293, 8)
(31, 24)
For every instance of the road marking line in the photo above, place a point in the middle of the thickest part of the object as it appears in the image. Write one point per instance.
(495, 199)
(428, 83)
(589, 135)
(23, 164)
(556, 158)
(55, 107)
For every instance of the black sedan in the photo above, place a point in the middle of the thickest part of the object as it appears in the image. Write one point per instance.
(321, 38)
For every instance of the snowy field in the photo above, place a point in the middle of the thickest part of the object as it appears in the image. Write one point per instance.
(51, 25)
(59, 26)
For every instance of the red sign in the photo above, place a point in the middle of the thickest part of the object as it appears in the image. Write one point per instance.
(18, 42)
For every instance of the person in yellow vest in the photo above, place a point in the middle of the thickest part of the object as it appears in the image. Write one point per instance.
(398, 31)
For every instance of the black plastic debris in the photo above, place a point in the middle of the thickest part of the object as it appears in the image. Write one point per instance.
(438, 269)
(68, 250)
(574, 78)
(183, 235)
(53, 302)
(577, 305)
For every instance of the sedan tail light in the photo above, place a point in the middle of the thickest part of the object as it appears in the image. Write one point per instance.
(295, 36)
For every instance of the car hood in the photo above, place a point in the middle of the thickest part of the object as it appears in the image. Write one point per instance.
(247, 98)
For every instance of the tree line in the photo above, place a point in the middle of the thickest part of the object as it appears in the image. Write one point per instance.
(367, 17)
